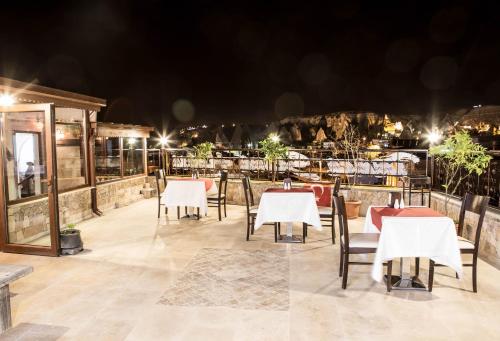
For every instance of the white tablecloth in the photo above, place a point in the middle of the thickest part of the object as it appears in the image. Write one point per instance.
(430, 237)
(186, 193)
(288, 207)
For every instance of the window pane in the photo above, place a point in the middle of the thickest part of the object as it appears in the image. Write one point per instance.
(70, 148)
(133, 156)
(107, 150)
(25, 153)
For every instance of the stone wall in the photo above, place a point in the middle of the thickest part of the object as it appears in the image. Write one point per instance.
(74, 206)
(28, 221)
(120, 193)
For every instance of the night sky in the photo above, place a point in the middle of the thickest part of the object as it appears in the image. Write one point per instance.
(165, 63)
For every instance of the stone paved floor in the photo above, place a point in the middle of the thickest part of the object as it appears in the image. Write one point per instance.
(139, 278)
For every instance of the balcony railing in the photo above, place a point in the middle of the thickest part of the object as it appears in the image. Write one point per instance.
(373, 167)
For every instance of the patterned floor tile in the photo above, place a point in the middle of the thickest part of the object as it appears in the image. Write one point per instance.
(244, 279)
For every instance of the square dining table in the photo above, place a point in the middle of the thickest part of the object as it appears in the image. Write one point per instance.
(288, 206)
(412, 232)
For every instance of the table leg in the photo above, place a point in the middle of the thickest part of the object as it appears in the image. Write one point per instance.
(405, 281)
(5, 313)
(289, 237)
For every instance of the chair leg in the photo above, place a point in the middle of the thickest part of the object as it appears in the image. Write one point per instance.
(279, 229)
(341, 260)
(431, 275)
(198, 213)
(252, 230)
(166, 210)
(275, 232)
(225, 212)
(178, 212)
(218, 207)
(345, 270)
(333, 230)
(417, 266)
(474, 273)
(304, 232)
(158, 208)
(185, 210)
(389, 276)
(248, 228)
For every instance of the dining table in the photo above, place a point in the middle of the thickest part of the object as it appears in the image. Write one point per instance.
(288, 206)
(189, 192)
(410, 232)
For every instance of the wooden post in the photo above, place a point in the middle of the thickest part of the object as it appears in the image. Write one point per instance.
(5, 313)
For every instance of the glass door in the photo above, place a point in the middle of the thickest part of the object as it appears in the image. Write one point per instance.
(28, 199)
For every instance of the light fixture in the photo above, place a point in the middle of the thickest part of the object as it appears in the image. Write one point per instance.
(163, 140)
(132, 141)
(6, 100)
(434, 136)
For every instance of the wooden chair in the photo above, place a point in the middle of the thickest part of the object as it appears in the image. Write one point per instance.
(252, 210)
(219, 199)
(476, 204)
(327, 214)
(352, 243)
(160, 187)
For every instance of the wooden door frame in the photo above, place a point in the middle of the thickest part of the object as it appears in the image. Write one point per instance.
(52, 192)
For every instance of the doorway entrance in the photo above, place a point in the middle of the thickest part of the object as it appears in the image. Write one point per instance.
(28, 200)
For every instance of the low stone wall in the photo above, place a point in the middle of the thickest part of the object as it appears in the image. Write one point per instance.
(28, 221)
(120, 193)
(74, 206)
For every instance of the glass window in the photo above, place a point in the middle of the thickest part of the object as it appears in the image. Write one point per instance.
(25, 154)
(133, 156)
(70, 148)
(107, 151)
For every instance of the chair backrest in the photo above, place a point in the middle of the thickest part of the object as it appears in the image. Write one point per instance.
(160, 181)
(247, 189)
(343, 226)
(336, 187)
(392, 198)
(475, 204)
(223, 183)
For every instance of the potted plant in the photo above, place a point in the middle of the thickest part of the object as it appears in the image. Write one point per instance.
(71, 241)
(350, 145)
(273, 151)
(459, 158)
(203, 152)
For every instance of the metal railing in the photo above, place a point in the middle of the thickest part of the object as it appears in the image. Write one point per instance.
(488, 183)
(373, 167)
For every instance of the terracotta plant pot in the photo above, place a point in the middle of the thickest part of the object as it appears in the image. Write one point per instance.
(352, 209)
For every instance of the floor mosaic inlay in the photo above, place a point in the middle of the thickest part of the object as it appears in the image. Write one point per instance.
(244, 279)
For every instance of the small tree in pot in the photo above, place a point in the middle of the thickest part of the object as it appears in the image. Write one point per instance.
(273, 151)
(71, 241)
(349, 146)
(460, 157)
(203, 151)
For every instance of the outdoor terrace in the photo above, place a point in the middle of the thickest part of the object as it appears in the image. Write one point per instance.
(141, 278)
